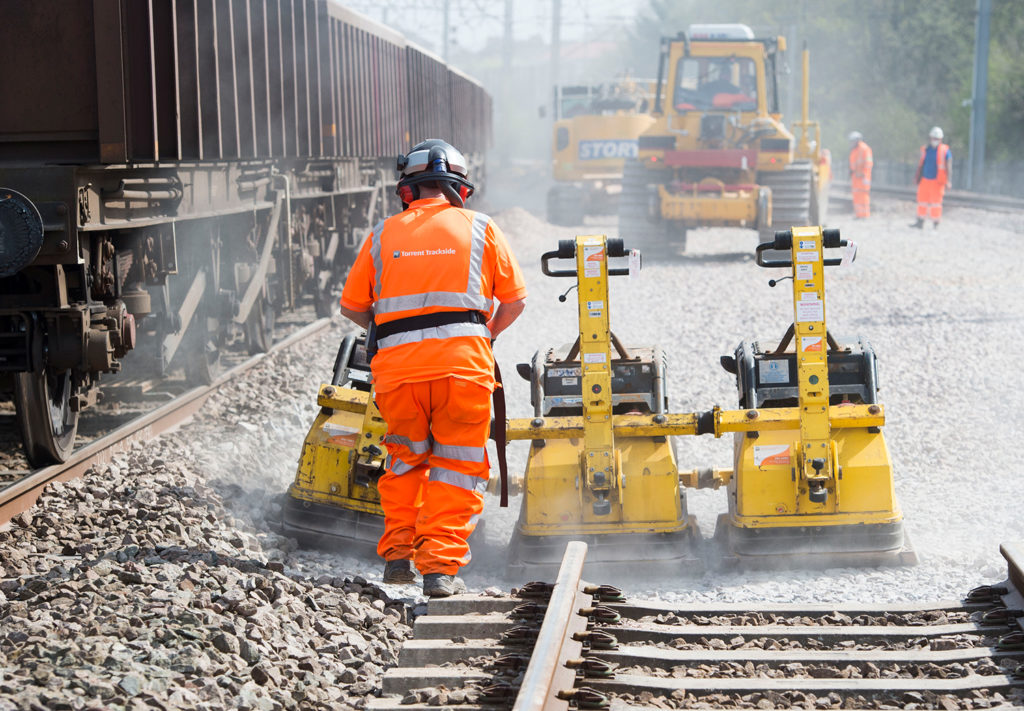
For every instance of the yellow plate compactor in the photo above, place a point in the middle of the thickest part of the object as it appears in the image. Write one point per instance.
(812, 475)
(586, 479)
(334, 498)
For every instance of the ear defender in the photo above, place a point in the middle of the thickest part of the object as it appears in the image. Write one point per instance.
(465, 191)
(406, 193)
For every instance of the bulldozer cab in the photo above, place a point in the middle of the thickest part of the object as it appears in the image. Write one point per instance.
(718, 68)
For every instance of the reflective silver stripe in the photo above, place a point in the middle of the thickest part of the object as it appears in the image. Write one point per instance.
(463, 454)
(452, 330)
(476, 254)
(398, 467)
(474, 519)
(451, 299)
(375, 246)
(416, 447)
(463, 481)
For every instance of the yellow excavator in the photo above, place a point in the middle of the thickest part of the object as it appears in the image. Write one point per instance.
(595, 133)
(717, 152)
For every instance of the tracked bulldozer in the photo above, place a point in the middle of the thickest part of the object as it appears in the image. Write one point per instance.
(718, 152)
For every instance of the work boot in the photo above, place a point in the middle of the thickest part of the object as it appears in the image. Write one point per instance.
(936, 224)
(399, 572)
(441, 585)
(919, 224)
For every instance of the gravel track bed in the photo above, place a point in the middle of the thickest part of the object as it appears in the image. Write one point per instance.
(937, 617)
(958, 641)
(980, 699)
(798, 670)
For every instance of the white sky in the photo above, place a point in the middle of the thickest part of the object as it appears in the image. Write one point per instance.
(475, 22)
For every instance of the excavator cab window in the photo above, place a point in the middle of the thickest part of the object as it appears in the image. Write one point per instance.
(715, 83)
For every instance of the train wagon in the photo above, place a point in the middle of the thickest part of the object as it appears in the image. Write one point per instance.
(174, 174)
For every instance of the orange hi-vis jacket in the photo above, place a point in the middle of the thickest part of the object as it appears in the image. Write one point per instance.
(861, 162)
(431, 258)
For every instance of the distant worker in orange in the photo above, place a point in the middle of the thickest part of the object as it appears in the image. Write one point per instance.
(429, 279)
(934, 175)
(861, 162)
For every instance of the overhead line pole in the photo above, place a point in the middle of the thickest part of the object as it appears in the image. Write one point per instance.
(979, 97)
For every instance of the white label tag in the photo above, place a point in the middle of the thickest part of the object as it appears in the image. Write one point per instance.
(810, 343)
(594, 358)
(634, 263)
(810, 310)
(808, 244)
(804, 271)
(766, 455)
(773, 372)
(806, 256)
(596, 305)
(592, 258)
(569, 381)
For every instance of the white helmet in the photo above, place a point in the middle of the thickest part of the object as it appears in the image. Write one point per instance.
(855, 136)
(936, 132)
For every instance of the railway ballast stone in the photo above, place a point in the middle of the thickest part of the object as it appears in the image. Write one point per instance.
(137, 587)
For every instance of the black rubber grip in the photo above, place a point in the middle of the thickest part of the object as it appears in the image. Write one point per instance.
(566, 249)
(616, 248)
(830, 238)
(783, 239)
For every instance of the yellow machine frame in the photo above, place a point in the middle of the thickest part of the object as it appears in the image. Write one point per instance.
(796, 481)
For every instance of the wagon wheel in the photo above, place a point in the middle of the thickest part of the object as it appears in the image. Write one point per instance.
(203, 350)
(42, 401)
(259, 327)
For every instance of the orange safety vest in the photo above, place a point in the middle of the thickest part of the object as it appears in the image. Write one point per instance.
(433, 258)
(941, 154)
(861, 162)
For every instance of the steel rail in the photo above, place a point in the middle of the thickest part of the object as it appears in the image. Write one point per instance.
(958, 198)
(22, 494)
(540, 687)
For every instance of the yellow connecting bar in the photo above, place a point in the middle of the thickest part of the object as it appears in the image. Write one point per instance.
(716, 421)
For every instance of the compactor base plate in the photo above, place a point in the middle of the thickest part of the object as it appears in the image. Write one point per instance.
(671, 554)
(330, 527)
(814, 547)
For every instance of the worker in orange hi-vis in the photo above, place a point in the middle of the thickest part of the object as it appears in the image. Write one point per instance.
(861, 162)
(934, 175)
(428, 279)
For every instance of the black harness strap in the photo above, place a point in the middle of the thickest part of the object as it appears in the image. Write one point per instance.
(415, 323)
(499, 431)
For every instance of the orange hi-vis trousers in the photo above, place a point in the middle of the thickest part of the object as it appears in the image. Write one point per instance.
(432, 491)
(929, 198)
(861, 190)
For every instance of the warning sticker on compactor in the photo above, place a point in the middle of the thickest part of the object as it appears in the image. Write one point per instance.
(810, 310)
(810, 343)
(767, 455)
(341, 435)
(592, 258)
